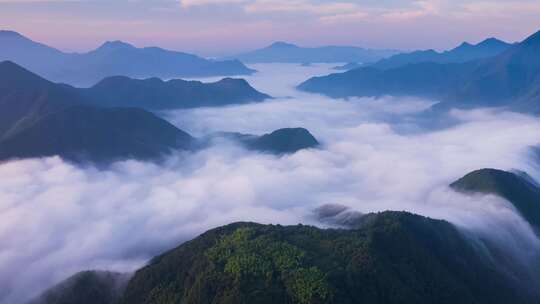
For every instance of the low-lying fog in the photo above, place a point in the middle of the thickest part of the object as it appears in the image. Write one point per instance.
(57, 219)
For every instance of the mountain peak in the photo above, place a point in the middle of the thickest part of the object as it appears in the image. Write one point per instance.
(117, 44)
(464, 45)
(10, 34)
(11, 73)
(534, 39)
(491, 42)
(287, 140)
(8, 65)
(281, 44)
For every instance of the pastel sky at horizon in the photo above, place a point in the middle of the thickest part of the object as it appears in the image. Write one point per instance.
(220, 27)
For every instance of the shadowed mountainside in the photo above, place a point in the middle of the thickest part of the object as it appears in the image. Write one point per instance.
(156, 94)
(510, 79)
(40, 118)
(282, 141)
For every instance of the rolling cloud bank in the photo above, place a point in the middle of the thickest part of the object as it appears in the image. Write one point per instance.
(59, 218)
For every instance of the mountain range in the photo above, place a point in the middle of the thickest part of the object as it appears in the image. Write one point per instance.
(510, 79)
(155, 94)
(113, 58)
(389, 257)
(463, 53)
(282, 52)
(40, 118)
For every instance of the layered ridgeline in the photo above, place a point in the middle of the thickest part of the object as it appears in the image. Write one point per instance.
(282, 52)
(463, 53)
(156, 94)
(510, 79)
(110, 59)
(517, 188)
(39, 118)
(391, 257)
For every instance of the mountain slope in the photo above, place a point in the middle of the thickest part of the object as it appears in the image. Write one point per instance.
(82, 133)
(290, 53)
(155, 94)
(510, 79)
(519, 190)
(389, 258)
(430, 80)
(463, 53)
(88, 287)
(26, 97)
(506, 78)
(28, 53)
(282, 141)
(39, 118)
(288, 140)
(111, 59)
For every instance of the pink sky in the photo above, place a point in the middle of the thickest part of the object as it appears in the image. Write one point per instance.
(218, 27)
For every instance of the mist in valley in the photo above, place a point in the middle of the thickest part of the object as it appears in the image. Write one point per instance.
(59, 218)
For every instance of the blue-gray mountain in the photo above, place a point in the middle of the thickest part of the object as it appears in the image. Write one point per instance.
(111, 59)
(282, 141)
(156, 94)
(40, 118)
(281, 52)
(510, 79)
(463, 53)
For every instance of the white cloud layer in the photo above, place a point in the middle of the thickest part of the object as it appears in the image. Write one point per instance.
(57, 219)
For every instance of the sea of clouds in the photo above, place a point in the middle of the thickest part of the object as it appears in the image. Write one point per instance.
(57, 218)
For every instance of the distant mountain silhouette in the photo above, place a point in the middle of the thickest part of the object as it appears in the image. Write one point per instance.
(155, 94)
(39, 118)
(282, 141)
(510, 79)
(518, 189)
(110, 59)
(463, 53)
(289, 53)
